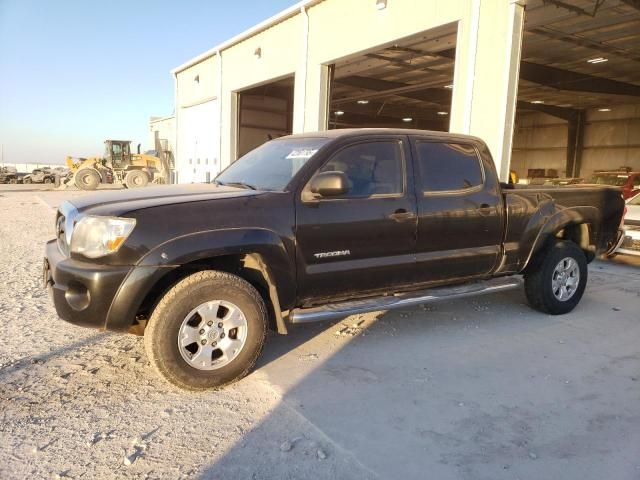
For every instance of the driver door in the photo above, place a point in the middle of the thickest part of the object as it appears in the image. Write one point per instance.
(364, 240)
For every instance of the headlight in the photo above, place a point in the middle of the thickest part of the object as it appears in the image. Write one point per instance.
(96, 237)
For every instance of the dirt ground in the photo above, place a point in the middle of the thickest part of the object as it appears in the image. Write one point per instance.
(482, 388)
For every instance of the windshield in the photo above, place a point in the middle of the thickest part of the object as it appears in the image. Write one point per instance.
(272, 165)
(617, 180)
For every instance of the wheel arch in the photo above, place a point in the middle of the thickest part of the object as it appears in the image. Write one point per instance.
(250, 267)
(262, 262)
(574, 224)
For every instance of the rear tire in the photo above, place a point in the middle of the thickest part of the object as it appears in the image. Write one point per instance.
(556, 284)
(27, 181)
(87, 179)
(47, 180)
(136, 179)
(176, 331)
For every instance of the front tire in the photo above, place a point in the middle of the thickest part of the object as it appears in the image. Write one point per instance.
(207, 331)
(556, 284)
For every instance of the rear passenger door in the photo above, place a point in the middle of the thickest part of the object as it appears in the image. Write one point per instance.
(459, 211)
(363, 240)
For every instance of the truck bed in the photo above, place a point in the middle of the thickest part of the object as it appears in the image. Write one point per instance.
(530, 207)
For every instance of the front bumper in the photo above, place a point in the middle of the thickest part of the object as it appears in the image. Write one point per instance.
(630, 241)
(82, 292)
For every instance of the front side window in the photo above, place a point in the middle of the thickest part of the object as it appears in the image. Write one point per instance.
(373, 168)
(446, 167)
(272, 165)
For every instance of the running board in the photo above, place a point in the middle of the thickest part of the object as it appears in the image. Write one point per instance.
(401, 300)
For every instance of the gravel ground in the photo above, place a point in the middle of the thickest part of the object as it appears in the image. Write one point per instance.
(475, 389)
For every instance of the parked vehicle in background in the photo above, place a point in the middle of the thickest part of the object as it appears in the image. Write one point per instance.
(39, 175)
(628, 181)
(314, 227)
(631, 242)
(564, 181)
(8, 175)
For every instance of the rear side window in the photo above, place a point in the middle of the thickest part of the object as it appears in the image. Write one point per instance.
(445, 167)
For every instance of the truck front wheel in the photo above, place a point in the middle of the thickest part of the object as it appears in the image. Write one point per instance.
(555, 286)
(207, 331)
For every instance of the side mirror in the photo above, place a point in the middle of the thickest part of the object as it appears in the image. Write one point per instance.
(330, 184)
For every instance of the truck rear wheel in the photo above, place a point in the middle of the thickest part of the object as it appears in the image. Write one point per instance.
(87, 179)
(136, 178)
(557, 283)
(207, 331)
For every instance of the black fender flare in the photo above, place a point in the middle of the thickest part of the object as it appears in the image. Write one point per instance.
(541, 228)
(263, 247)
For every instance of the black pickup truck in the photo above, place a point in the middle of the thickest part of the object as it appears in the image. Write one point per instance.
(312, 227)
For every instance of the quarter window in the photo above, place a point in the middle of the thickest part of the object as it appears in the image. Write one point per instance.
(447, 167)
(373, 168)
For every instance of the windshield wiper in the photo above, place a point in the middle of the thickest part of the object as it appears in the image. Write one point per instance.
(237, 184)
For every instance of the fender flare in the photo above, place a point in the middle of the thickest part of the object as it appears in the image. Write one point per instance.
(536, 235)
(263, 248)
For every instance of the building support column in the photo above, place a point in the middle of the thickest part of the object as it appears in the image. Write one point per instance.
(485, 90)
(300, 81)
(575, 143)
(317, 101)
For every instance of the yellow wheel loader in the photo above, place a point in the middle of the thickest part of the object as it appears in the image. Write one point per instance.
(119, 166)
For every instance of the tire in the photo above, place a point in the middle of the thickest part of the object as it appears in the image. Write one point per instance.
(27, 181)
(545, 295)
(87, 179)
(47, 180)
(136, 179)
(176, 317)
(13, 181)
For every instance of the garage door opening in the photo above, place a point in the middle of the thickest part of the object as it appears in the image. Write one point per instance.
(264, 113)
(578, 108)
(407, 84)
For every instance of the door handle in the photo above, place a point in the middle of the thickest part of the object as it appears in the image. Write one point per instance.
(485, 209)
(402, 215)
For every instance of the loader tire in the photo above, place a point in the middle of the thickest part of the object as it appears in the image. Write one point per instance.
(87, 179)
(136, 179)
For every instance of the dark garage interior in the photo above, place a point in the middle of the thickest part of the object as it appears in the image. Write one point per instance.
(407, 84)
(578, 105)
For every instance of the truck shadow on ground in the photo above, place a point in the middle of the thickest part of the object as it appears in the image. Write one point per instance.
(467, 389)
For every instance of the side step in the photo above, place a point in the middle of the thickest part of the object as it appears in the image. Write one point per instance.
(401, 300)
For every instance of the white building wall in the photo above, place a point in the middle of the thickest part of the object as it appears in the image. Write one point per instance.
(305, 41)
(197, 122)
(166, 128)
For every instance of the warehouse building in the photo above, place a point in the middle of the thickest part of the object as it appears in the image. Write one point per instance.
(553, 86)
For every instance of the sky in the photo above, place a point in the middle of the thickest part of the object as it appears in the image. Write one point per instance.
(74, 73)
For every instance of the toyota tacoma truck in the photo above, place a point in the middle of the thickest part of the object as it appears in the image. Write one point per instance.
(315, 227)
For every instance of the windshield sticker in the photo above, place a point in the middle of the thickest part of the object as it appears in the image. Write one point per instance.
(305, 154)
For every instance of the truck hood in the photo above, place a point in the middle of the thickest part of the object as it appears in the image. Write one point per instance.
(117, 202)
